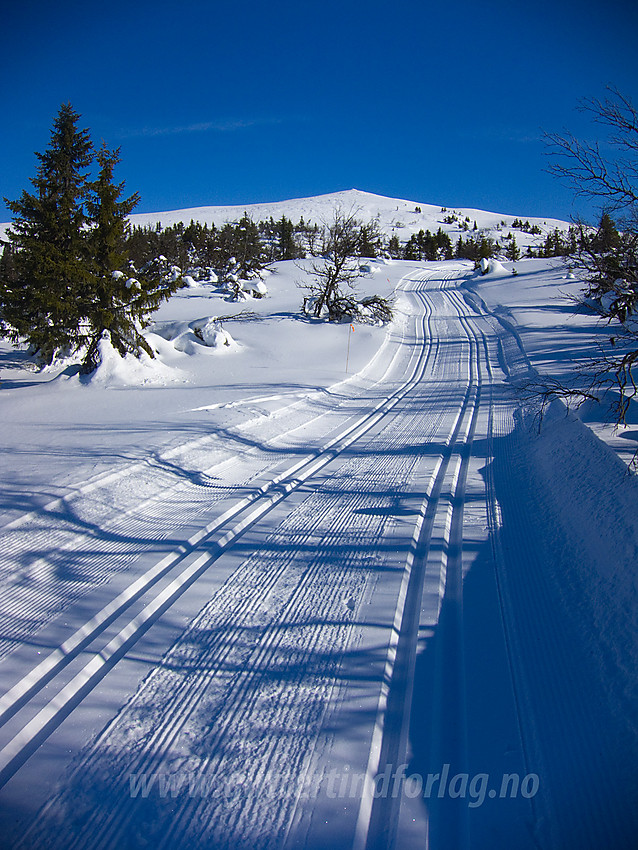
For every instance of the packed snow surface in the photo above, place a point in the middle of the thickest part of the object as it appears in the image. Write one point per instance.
(292, 584)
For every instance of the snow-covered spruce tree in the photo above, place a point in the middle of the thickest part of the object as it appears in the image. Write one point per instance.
(332, 293)
(41, 300)
(240, 254)
(118, 301)
(512, 251)
(66, 280)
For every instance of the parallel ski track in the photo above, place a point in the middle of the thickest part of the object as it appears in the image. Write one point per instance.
(291, 765)
(93, 548)
(305, 579)
(218, 536)
(445, 498)
(450, 726)
(211, 665)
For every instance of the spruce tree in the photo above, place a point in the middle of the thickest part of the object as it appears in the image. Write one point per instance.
(65, 278)
(512, 251)
(249, 248)
(41, 303)
(108, 296)
(607, 238)
(108, 215)
(120, 300)
(288, 249)
(394, 247)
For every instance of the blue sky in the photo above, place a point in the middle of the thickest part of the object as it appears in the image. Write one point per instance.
(223, 102)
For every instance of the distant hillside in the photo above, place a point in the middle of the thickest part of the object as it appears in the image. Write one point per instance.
(395, 216)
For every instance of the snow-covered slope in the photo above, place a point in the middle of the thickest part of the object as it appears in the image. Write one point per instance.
(395, 216)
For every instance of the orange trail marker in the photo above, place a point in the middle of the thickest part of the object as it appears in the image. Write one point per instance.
(351, 330)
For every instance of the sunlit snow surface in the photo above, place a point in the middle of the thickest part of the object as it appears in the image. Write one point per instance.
(239, 582)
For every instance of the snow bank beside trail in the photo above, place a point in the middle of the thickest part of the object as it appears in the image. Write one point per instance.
(588, 504)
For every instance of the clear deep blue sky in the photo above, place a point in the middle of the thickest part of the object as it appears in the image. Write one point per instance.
(239, 101)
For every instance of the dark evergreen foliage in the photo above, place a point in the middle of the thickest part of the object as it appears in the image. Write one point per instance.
(512, 251)
(608, 260)
(66, 280)
(526, 227)
(369, 239)
(394, 248)
(476, 248)
(50, 281)
(120, 299)
(239, 248)
(288, 249)
(426, 246)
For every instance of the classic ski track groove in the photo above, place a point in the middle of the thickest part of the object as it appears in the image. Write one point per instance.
(97, 570)
(244, 705)
(376, 824)
(20, 747)
(186, 698)
(101, 573)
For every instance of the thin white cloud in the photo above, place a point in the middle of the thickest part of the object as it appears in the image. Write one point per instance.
(201, 127)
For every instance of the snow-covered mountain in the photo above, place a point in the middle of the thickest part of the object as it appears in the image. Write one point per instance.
(394, 215)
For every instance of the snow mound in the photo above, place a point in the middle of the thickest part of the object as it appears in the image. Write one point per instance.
(256, 288)
(202, 336)
(130, 371)
(492, 268)
(187, 343)
(213, 335)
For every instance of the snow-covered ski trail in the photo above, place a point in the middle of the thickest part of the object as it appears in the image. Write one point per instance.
(375, 826)
(183, 565)
(264, 495)
(58, 707)
(356, 606)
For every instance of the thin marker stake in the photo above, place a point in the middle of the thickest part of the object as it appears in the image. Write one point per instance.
(348, 352)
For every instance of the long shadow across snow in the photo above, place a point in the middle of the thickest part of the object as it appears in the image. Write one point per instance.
(541, 698)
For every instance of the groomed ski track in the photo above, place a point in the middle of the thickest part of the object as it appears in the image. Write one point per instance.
(356, 589)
